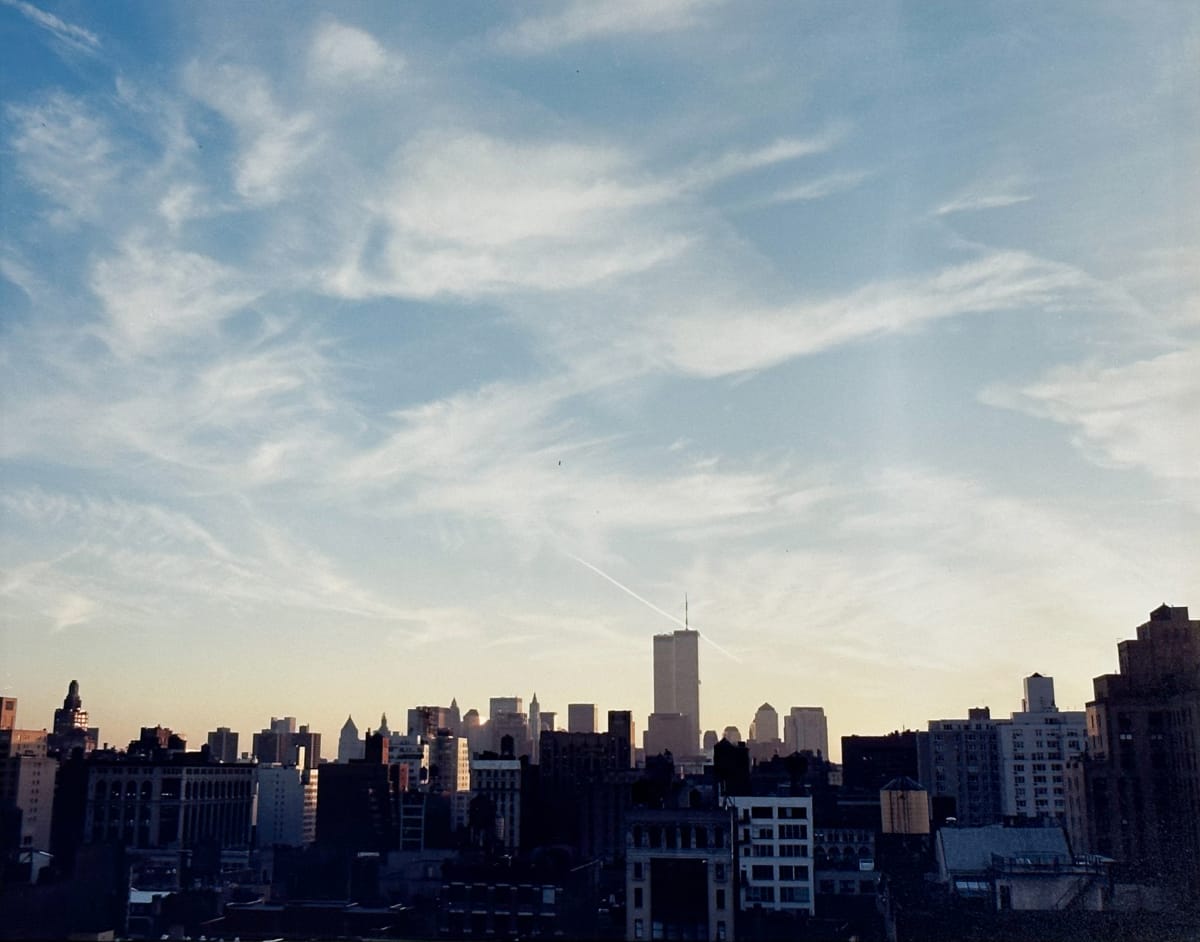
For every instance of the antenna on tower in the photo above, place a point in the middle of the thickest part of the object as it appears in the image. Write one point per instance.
(685, 612)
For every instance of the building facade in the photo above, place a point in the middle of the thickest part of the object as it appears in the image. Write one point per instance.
(679, 875)
(1035, 746)
(805, 729)
(1134, 795)
(774, 853)
(677, 683)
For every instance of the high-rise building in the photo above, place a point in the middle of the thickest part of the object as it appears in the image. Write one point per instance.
(535, 728)
(765, 725)
(1134, 795)
(960, 760)
(286, 806)
(281, 742)
(8, 713)
(223, 744)
(805, 729)
(505, 705)
(581, 718)
(764, 741)
(1035, 745)
(449, 763)
(677, 684)
(350, 744)
(71, 730)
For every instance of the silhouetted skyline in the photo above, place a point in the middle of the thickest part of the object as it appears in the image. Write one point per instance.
(347, 355)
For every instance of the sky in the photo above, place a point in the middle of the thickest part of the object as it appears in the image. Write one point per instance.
(361, 357)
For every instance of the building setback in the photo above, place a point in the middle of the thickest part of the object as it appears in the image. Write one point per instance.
(1134, 795)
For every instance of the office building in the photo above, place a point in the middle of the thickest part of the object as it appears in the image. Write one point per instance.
(286, 806)
(677, 686)
(282, 742)
(535, 728)
(449, 763)
(581, 718)
(223, 745)
(8, 713)
(805, 729)
(350, 744)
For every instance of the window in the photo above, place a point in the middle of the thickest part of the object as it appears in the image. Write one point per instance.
(721, 899)
(639, 929)
(639, 872)
(762, 872)
(759, 811)
(719, 872)
(637, 897)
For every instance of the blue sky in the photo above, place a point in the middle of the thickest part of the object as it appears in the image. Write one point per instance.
(336, 346)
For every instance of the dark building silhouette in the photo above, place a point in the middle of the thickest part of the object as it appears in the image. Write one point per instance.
(223, 744)
(71, 730)
(584, 788)
(870, 762)
(1134, 795)
(358, 806)
(161, 800)
(281, 742)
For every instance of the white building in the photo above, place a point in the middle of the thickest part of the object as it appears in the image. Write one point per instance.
(1035, 745)
(500, 780)
(773, 852)
(286, 805)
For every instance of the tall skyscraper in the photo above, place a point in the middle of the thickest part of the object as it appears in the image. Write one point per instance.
(806, 729)
(223, 744)
(581, 718)
(677, 682)
(535, 728)
(350, 745)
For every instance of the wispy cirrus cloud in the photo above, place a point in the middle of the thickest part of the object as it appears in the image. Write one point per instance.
(715, 340)
(582, 22)
(1141, 414)
(72, 34)
(67, 152)
(976, 202)
(274, 143)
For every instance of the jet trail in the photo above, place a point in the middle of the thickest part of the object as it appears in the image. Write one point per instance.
(647, 603)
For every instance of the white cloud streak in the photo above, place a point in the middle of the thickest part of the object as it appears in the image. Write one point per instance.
(579, 21)
(73, 35)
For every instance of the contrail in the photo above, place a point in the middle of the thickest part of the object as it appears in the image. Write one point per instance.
(647, 603)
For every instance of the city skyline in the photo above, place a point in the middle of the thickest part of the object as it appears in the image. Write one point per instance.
(361, 359)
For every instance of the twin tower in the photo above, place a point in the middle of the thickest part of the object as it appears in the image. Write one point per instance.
(675, 723)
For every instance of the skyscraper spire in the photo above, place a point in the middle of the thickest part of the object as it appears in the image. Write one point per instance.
(685, 612)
